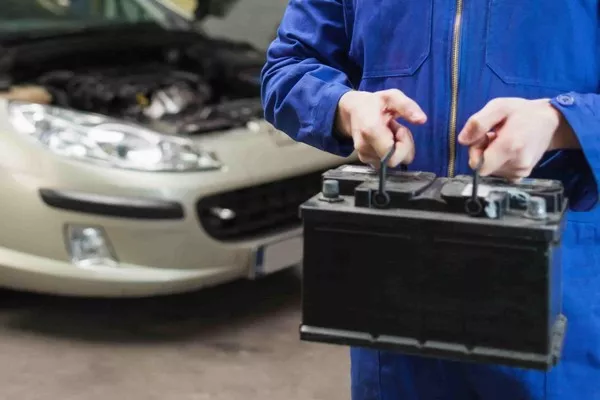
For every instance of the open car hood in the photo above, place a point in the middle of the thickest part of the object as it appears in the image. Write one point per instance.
(216, 8)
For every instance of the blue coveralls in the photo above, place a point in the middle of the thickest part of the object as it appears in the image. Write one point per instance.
(517, 48)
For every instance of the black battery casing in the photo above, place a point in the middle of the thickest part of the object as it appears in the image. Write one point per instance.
(420, 277)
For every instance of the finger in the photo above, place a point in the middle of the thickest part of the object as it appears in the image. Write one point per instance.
(401, 106)
(368, 156)
(476, 149)
(509, 176)
(404, 152)
(372, 161)
(401, 132)
(475, 154)
(484, 121)
(375, 164)
(363, 148)
(380, 138)
(496, 155)
(361, 144)
(511, 173)
(366, 153)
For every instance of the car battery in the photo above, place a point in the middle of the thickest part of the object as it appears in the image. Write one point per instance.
(463, 268)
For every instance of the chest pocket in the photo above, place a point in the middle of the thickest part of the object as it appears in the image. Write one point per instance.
(546, 43)
(390, 38)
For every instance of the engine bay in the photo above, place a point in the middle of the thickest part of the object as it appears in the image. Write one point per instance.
(183, 87)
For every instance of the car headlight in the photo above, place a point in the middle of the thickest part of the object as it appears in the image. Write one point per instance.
(97, 138)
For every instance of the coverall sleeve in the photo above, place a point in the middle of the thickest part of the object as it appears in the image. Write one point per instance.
(306, 73)
(580, 169)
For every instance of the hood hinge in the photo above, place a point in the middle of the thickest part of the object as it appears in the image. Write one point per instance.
(7, 58)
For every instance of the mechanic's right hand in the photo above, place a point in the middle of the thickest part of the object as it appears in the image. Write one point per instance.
(370, 120)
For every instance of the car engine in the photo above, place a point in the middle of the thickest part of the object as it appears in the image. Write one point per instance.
(166, 98)
(180, 88)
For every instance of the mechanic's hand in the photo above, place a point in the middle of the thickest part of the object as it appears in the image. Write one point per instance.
(370, 119)
(513, 134)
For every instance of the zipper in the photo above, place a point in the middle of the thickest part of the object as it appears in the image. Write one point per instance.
(454, 91)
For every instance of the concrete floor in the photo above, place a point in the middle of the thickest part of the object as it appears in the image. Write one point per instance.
(238, 341)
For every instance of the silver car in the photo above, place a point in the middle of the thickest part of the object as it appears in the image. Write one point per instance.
(134, 159)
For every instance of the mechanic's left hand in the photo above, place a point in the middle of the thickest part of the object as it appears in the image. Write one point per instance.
(513, 134)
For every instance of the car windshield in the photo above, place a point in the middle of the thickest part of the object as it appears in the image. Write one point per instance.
(32, 15)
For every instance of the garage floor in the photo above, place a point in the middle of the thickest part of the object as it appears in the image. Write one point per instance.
(239, 341)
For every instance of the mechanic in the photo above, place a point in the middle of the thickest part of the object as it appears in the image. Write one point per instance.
(448, 81)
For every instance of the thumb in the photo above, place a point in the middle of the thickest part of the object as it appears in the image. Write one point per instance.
(401, 106)
(484, 121)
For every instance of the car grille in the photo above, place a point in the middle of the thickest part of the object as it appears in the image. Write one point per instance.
(257, 210)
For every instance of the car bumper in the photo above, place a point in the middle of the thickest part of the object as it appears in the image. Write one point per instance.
(152, 221)
(22, 271)
(159, 246)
